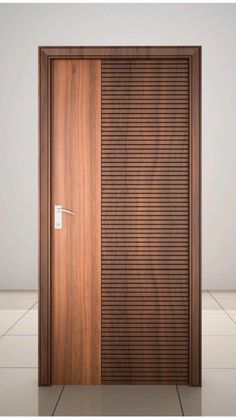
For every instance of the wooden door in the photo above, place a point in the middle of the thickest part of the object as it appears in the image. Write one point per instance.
(120, 147)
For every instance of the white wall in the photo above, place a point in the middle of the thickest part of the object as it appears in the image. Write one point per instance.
(23, 27)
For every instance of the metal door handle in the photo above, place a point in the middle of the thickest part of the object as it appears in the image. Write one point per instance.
(68, 211)
(58, 210)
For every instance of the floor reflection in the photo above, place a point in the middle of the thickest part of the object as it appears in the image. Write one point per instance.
(216, 397)
(119, 400)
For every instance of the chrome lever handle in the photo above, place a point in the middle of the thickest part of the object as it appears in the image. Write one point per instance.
(68, 211)
(58, 210)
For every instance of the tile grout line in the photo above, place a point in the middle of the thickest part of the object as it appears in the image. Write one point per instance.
(4, 334)
(212, 296)
(59, 398)
(180, 402)
(222, 308)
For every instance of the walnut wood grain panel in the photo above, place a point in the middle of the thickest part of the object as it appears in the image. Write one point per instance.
(75, 250)
(145, 221)
(161, 60)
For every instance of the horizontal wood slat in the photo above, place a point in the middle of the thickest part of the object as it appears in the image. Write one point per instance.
(145, 221)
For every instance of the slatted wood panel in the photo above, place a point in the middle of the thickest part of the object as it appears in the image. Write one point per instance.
(145, 221)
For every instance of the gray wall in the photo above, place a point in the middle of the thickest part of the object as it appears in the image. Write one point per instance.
(23, 27)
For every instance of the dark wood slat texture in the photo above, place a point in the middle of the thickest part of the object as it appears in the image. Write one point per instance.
(145, 221)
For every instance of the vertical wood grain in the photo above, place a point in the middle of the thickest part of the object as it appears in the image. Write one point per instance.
(44, 222)
(195, 347)
(75, 250)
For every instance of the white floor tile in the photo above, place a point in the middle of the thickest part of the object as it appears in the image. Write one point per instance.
(224, 294)
(18, 351)
(232, 314)
(219, 351)
(206, 294)
(28, 325)
(17, 299)
(21, 396)
(217, 324)
(119, 401)
(7, 319)
(215, 398)
(209, 304)
(227, 304)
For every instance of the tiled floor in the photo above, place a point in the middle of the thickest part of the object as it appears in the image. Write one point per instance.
(20, 395)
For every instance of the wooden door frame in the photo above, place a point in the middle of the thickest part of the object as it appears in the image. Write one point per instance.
(46, 54)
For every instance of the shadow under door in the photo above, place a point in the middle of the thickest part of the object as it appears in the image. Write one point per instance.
(120, 215)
